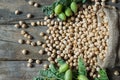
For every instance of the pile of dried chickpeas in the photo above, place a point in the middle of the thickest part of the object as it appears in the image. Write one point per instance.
(80, 36)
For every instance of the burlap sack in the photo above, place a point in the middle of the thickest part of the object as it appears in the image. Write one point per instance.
(112, 58)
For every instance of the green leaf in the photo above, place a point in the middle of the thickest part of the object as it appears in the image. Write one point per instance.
(96, 79)
(37, 78)
(83, 1)
(50, 74)
(60, 61)
(65, 2)
(103, 75)
(52, 68)
(47, 10)
(47, 73)
(77, 1)
(81, 67)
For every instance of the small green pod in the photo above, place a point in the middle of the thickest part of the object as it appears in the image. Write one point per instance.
(63, 68)
(82, 77)
(58, 9)
(74, 7)
(68, 75)
(62, 16)
(68, 12)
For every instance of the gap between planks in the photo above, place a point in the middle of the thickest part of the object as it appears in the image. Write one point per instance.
(5, 59)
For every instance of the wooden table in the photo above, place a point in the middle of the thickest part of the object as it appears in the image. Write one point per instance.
(12, 62)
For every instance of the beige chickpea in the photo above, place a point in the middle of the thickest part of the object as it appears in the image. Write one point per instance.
(116, 73)
(33, 43)
(23, 32)
(29, 37)
(21, 41)
(29, 15)
(36, 5)
(33, 24)
(45, 66)
(28, 42)
(38, 61)
(17, 12)
(26, 35)
(21, 22)
(41, 52)
(39, 43)
(42, 34)
(31, 3)
(38, 23)
(24, 25)
(17, 26)
(24, 51)
(30, 60)
(29, 65)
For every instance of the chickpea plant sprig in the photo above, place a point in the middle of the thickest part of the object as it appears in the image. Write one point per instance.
(62, 8)
(65, 73)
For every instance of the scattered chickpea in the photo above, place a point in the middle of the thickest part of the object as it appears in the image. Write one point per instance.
(17, 12)
(36, 5)
(43, 45)
(23, 32)
(51, 16)
(45, 37)
(31, 3)
(21, 41)
(29, 15)
(41, 52)
(114, 1)
(24, 51)
(38, 61)
(24, 25)
(17, 26)
(42, 34)
(26, 35)
(28, 42)
(29, 65)
(39, 43)
(29, 37)
(45, 66)
(45, 18)
(33, 24)
(45, 23)
(30, 60)
(116, 73)
(42, 23)
(33, 43)
(21, 22)
(38, 23)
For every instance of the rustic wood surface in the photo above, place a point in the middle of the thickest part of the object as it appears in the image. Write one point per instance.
(12, 62)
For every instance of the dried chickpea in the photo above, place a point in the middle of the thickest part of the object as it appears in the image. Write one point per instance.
(21, 41)
(17, 26)
(24, 51)
(38, 61)
(30, 60)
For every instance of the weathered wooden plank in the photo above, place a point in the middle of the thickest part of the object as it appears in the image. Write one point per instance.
(7, 8)
(12, 51)
(10, 48)
(10, 33)
(17, 70)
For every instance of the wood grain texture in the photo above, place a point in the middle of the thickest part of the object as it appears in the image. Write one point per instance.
(9, 46)
(8, 7)
(12, 62)
(18, 70)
